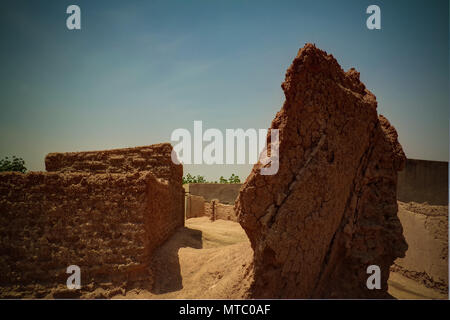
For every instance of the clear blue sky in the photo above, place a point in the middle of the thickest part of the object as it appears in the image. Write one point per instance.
(140, 69)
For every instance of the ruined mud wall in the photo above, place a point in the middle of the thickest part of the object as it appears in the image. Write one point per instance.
(208, 208)
(225, 193)
(225, 212)
(195, 206)
(424, 181)
(426, 231)
(217, 210)
(107, 224)
(155, 158)
(330, 211)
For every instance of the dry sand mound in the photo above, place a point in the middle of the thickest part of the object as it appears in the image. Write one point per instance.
(426, 230)
(204, 260)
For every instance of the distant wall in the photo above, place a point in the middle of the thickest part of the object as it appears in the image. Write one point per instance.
(225, 212)
(225, 193)
(419, 181)
(195, 206)
(216, 210)
(423, 181)
(107, 224)
(208, 209)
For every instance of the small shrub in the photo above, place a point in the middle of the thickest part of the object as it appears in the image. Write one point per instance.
(191, 179)
(222, 180)
(234, 179)
(188, 178)
(15, 164)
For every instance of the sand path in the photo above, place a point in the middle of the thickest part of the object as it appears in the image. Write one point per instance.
(211, 260)
(204, 260)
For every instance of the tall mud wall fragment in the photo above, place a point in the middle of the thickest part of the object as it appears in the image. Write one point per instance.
(330, 211)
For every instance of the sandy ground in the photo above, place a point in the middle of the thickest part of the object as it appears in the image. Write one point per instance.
(425, 228)
(211, 260)
(404, 288)
(204, 260)
(424, 208)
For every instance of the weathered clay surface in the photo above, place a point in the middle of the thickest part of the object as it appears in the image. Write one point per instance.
(104, 211)
(195, 206)
(107, 224)
(155, 158)
(331, 209)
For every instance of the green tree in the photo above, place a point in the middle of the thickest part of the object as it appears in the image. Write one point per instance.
(194, 179)
(15, 164)
(188, 178)
(222, 180)
(234, 179)
(200, 179)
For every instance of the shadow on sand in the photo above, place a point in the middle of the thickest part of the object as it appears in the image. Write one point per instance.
(166, 264)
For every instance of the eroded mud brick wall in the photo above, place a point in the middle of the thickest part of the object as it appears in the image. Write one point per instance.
(225, 212)
(107, 224)
(225, 193)
(195, 206)
(155, 158)
(331, 209)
